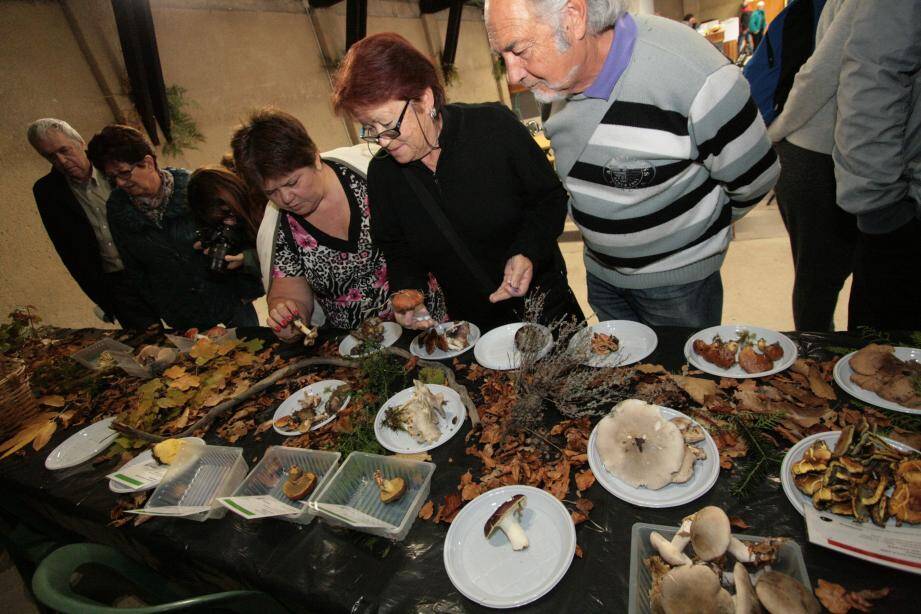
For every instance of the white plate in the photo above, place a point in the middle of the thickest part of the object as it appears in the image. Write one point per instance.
(705, 473)
(795, 454)
(843, 374)
(488, 571)
(496, 349)
(392, 332)
(728, 333)
(637, 341)
(292, 404)
(401, 441)
(419, 351)
(143, 457)
(82, 446)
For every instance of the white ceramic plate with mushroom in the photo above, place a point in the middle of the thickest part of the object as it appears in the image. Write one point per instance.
(144, 457)
(730, 332)
(798, 498)
(635, 342)
(400, 441)
(843, 373)
(497, 350)
(417, 346)
(705, 473)
(487, 570)
(293, 403)
(392, 332)
(82, 445)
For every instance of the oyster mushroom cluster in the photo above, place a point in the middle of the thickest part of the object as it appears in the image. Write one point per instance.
(855, 478)
(643, 448)
(682, 584)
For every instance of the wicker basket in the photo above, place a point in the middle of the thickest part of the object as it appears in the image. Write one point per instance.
(17, 404)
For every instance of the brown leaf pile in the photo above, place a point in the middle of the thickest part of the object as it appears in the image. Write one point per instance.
(839, 600)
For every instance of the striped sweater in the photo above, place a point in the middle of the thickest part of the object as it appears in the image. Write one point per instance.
(659, 171)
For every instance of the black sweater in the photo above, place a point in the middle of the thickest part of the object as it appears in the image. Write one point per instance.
(502, 198)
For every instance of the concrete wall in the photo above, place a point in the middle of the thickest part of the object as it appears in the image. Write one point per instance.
(706, 10)
(230, 55)
(673, 9)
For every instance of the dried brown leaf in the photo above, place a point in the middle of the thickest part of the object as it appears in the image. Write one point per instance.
(52, 400)
(698, 388)
(584, 480)
(427, 510)
(738, 523)
(44, 435)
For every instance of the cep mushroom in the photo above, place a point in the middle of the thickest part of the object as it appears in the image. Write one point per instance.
(391, 489)
(692, 589)
(711, 533)
(781, 594)
(299, 484)
(506, 518)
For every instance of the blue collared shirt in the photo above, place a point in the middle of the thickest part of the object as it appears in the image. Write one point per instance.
(617, 60)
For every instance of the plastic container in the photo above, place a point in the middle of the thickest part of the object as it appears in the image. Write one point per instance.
(269, 476)
(352, 499)
(198, 475)
(184, 344)
(89, 356)
(789, 561)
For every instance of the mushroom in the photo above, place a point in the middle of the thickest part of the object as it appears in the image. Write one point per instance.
(310, 334)
(691, 589)
(745, 600)
(639, 446)
(668, 551)
(166, 451)
(710, 533)
(299, 484)
(691, 455)
(740, 551)
(406, 300)
(781, 594)
(392, 489)
(691, 431)
(506, 518)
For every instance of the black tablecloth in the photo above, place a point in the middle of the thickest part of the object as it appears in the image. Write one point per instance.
(318, 568)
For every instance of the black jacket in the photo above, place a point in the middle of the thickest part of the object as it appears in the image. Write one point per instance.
(72, 235)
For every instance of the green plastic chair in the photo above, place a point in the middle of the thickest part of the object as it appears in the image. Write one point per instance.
(51, 585)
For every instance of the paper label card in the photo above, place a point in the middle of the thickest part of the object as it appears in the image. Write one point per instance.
(897, 547)
(177, 511)
(141, 475)
(261, 506)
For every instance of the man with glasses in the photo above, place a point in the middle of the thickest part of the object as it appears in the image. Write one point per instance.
(71, 200)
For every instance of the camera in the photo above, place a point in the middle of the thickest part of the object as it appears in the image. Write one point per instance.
(219, 241)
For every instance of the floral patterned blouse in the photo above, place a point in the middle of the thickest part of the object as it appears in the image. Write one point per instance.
(348, 277)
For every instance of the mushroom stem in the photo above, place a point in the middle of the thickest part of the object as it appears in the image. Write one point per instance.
(513, 531)
(669, 553)
(683, 536)
(740, 551)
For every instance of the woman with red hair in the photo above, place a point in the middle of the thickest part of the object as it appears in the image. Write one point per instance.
(461, 191)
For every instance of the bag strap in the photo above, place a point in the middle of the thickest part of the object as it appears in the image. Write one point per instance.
(441, 221)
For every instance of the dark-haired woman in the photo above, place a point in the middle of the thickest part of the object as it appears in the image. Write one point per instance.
(462, 191)
(154, 231)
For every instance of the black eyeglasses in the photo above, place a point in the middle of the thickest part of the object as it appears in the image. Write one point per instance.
(388, 134)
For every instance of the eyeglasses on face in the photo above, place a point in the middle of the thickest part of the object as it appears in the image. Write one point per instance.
(368, 136)
(124, 175)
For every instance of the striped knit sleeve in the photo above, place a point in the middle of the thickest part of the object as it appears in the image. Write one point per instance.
(731, 141)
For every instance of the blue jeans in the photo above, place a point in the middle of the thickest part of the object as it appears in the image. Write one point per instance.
(698, 304)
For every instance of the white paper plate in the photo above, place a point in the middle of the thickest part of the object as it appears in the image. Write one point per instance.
(392, 332)
(292, 404)
(843, 374)
(401, 441)
(143, 457)
(496, 349)
(488, 571)
(82, 446)
(795, 454)
(637, 341)
(728, 333)
(419, 351)
(705, 473)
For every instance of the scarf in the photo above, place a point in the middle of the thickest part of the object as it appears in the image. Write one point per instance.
(154, 207)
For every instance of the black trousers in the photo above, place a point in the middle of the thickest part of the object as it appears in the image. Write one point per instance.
(886, 291)
(823, 236)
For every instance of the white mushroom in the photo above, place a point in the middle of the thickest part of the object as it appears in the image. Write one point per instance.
(745, 600)
(691, 455)
(691, 432)
(781, 594)
(692, 589)
(639, 446)
(669, 553)
(506, 518)
(710, 533)
(683, 537)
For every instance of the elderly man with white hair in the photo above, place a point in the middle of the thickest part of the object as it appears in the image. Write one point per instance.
(657, 140)
(71, 200)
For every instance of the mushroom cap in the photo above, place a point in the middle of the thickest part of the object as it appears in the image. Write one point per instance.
(710, 533)
(686, 472)
(745, 600)
(692, 589)
(299, 484)
(781, 594)
(639, 446)
(515, 503)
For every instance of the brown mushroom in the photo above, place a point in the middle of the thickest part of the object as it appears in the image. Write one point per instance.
(692, 589)
(710, 533)
(392, 489)
(299, 484)
(781, 594)
(506, 518)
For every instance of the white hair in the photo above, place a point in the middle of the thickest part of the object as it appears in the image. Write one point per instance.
(601, 13)
(40, 127)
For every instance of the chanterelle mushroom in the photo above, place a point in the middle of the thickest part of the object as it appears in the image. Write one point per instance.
(639, 446)
(781, 594)
(710, 533)
(506, 518)
(692, 589)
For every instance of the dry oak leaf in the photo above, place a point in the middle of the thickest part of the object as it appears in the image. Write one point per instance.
(44, 435)
(448, 511)
(26, 434)
(174, 372)
(584, 480)
(738, 523)
(649, 369)
(838, 600)
(819, 386)
(52, 400)
(184, 382)
(578, 517)
(698, 388)
(427, 510)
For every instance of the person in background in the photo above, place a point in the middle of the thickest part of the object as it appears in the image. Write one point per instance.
(757, 24)
(323, 254)
(71, 201)
(460, 191)
(877, 157)
(822, 235)
(657, 168)
(154, 230)
(745, 37)
(690, 20)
